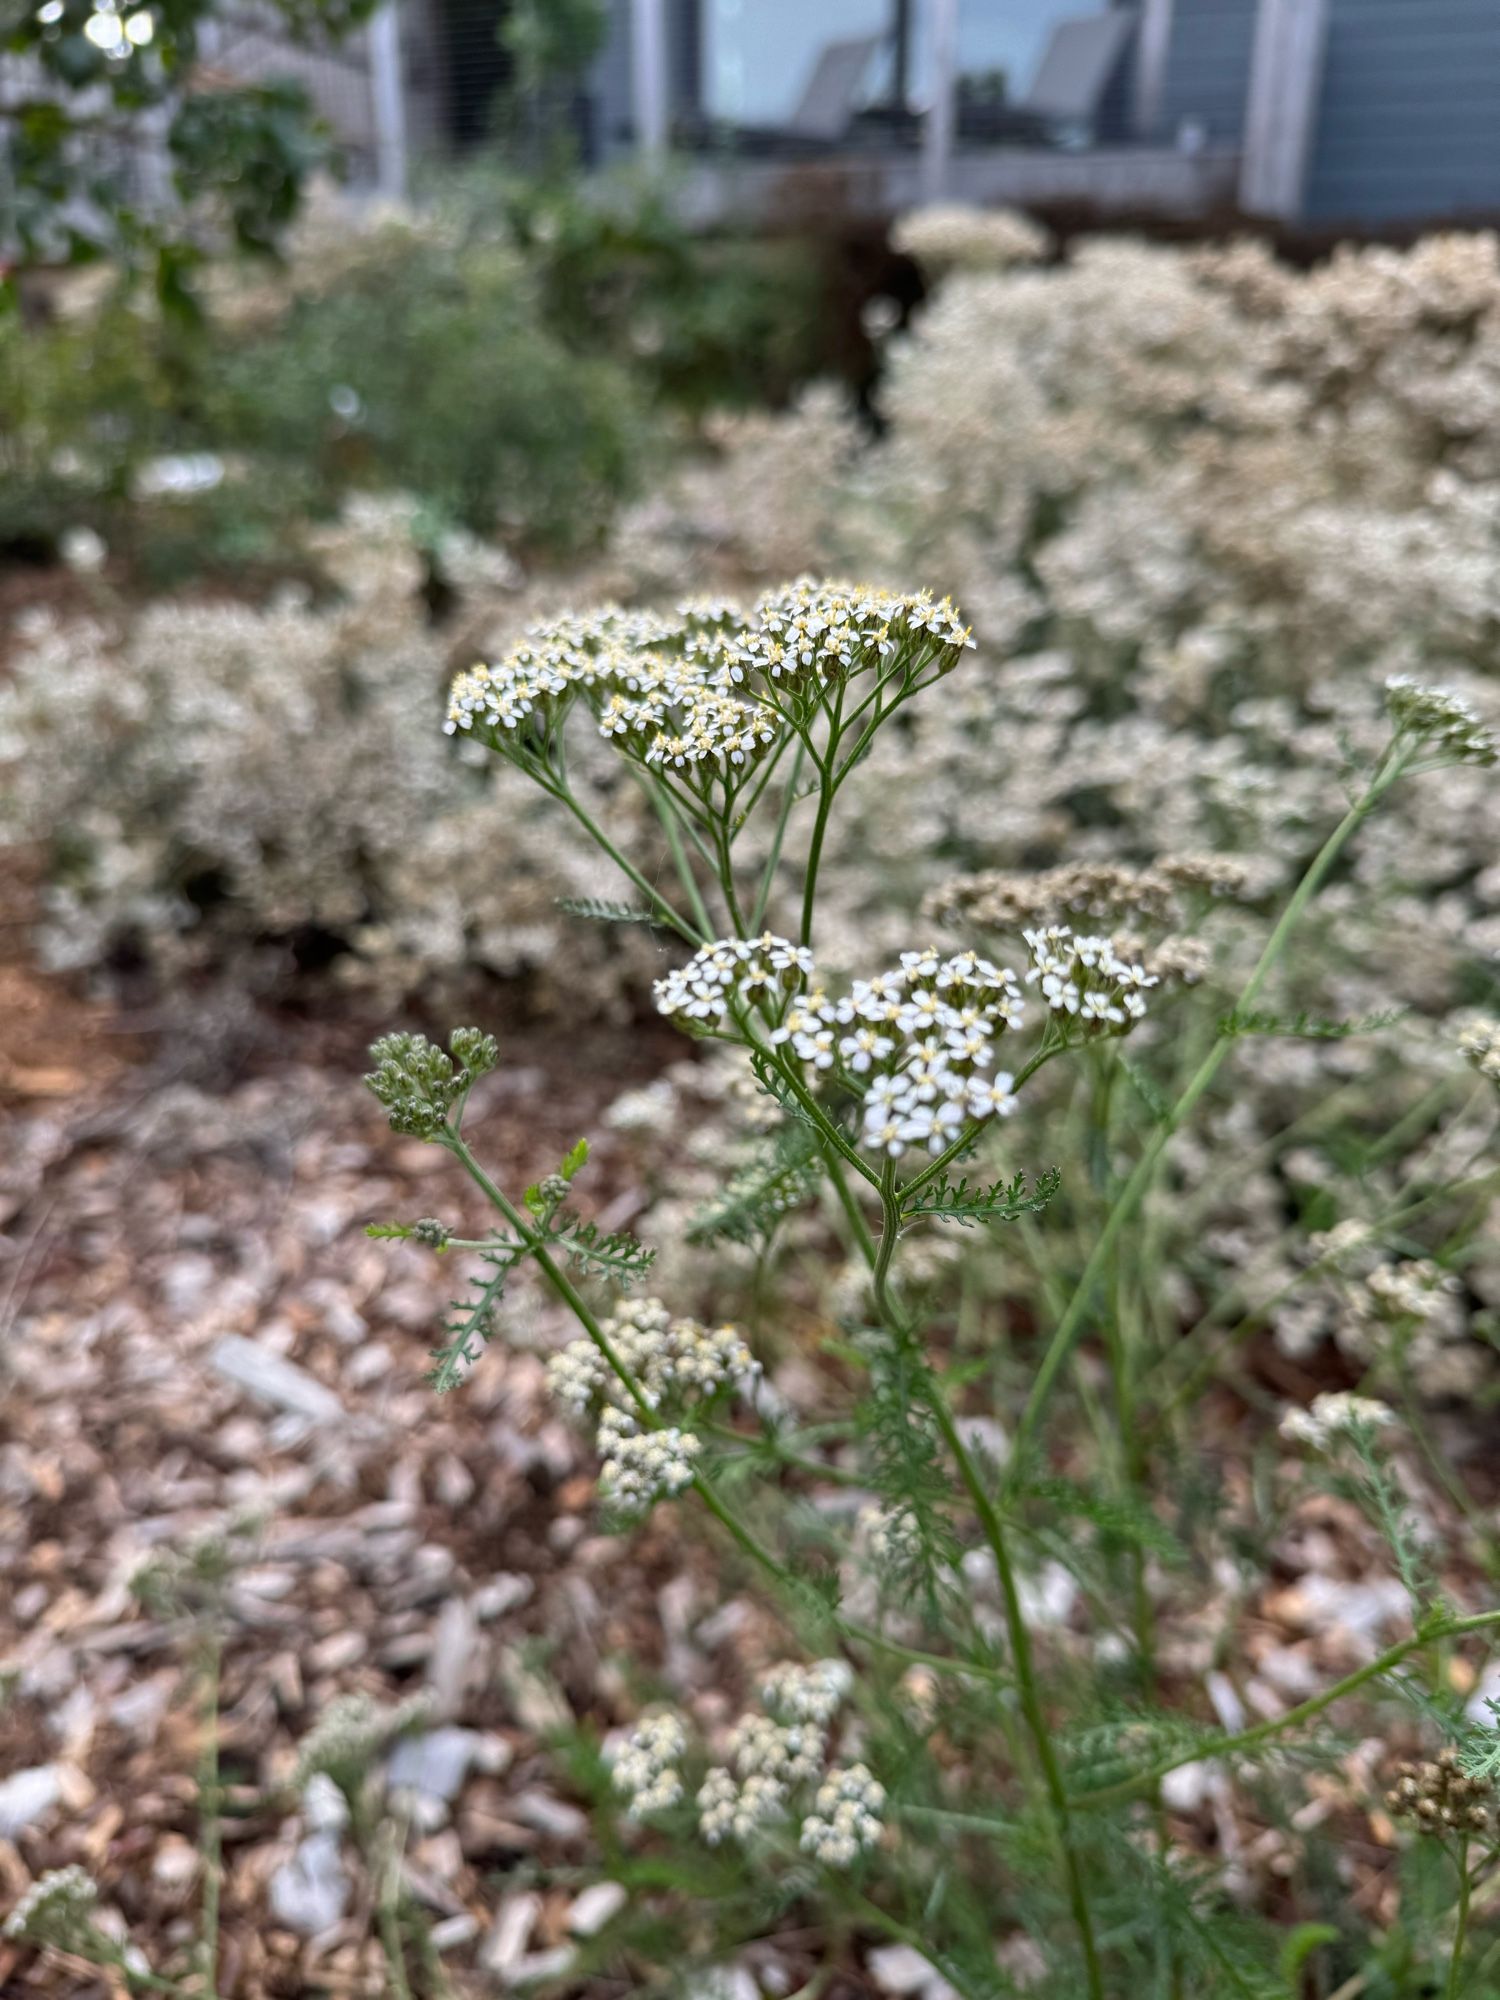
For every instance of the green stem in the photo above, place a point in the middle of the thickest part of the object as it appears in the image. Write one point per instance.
(666, 812)
(210, 1831)
(815, 853)
(1263, 1732)
(670, 916)
(744, 1536)
(778, 839)
(389, 1911)
(1134, 1191)
(1461, 1933)
(993, 1530)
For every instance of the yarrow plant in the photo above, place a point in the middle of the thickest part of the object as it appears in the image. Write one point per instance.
(879, 1085)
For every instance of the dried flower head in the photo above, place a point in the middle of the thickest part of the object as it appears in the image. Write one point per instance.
(1440, 1797)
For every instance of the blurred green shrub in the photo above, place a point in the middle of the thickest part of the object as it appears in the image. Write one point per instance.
(705, 320)
(407, 359)
(427, 366)
(516, 358)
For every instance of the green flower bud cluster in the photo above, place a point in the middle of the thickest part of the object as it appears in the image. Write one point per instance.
(419, 1085)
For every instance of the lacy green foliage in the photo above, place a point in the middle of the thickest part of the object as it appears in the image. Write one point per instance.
(777, 1180)
(1308, 1027)
(1119, 1520)
(1001, 1201)
(471, 1322)
(616, 1256)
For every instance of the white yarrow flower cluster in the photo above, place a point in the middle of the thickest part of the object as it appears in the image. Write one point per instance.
(771, 1755)
(1439, 716)
(1335, 1415)
(56, 1910)
(639, 1467)
(732, 976)
(948, 236)
(845, 1822)
(807, 1694)
(1084, 979)
(669, 1358)
(1479, 1044)
(645, 1769)
(790, 1752)
(916, 1044)
(675, 1362)
(1416, 1288)
(699, 694)
(730, 1809)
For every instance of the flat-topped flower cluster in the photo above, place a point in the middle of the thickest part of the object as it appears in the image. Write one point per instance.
(674, 1363)
(711, 686)
(1479, 1044)
(915, 1044)
(1087, 978)
(773, 1758)
(1438, 716)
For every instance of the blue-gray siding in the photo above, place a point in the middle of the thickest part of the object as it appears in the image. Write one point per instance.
(1208, 67)
(1409, 113)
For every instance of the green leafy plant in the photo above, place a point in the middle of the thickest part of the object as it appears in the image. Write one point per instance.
(882, 1084)
(80, 83)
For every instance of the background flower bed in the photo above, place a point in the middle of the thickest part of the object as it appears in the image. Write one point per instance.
(1169, 668)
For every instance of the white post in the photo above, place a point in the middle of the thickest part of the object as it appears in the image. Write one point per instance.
(1281, 112)
(648, 75)
(1153, 41)
(388, 102)
(937, 134)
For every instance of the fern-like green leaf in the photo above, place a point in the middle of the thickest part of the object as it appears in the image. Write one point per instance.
(601, 910)
(778, 1179)
(1308, 1027)
(617, 1256)
(971, 1204)
(472, 1321)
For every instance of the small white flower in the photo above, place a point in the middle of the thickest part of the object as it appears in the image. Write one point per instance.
(846, 1821)
(645, 1768)
(1335, 1415)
